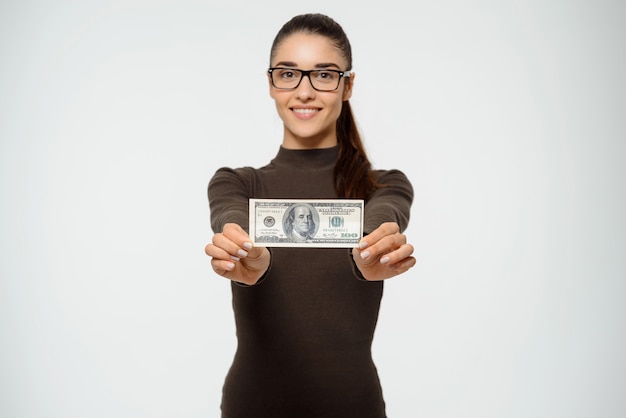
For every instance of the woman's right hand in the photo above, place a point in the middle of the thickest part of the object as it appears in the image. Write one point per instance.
(234, 257)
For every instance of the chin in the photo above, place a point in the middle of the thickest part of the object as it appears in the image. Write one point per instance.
(309, 136)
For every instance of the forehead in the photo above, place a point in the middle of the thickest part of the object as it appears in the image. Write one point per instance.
(306, 50)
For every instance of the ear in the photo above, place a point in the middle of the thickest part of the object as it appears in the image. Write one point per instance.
(347, 89)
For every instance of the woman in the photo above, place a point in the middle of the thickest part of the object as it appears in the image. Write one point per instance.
(305, 318)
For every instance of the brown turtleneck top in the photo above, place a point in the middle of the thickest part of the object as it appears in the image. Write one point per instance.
(305, 330)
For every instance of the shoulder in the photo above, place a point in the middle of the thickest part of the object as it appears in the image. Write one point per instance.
(393, 183)
(245, 172)
(392, 176)
(242, 172)
(227, 177)
(229, 180)
(234, 172)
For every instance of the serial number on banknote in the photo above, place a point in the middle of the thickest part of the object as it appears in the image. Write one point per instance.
(330, 223)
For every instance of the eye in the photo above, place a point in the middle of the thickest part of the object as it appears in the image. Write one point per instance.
(326, 76)
(287, 74)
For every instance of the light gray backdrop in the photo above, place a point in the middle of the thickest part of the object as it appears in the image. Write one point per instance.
(509, 117)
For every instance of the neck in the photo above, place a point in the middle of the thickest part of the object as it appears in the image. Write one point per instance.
(291, 141)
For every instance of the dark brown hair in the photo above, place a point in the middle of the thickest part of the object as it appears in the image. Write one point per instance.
(353, 172)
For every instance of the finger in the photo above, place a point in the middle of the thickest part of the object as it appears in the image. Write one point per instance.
(394, 257)
(400, 267)
(237, 234)
(385, 245)
(218, 253)
(234, 251)
(387, 228)
(362, 257)
(222, 267)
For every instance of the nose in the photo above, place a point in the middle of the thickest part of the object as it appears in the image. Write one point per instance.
(305, 90)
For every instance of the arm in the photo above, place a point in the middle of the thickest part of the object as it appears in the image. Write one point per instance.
(231, 251)
(390, 203)
(384, 252)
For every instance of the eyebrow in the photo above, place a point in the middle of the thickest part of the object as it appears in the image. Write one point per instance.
(292, 64)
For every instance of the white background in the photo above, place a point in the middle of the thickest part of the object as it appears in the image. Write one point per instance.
(509, 117)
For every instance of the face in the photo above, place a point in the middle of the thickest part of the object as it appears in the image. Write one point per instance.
(302, 220)
(308, 115)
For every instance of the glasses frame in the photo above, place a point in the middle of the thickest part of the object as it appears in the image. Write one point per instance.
(307, 73)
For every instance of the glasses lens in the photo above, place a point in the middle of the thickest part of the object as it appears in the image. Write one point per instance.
(289, 78)
(286, 78)
(325, 80)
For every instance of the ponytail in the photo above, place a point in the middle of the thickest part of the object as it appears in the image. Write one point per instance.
(353, 172)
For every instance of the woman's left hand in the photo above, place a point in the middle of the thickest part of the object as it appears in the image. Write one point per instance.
(384, 253)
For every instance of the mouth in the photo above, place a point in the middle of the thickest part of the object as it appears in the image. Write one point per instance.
(305, 111)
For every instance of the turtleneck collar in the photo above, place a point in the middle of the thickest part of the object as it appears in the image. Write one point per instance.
(316, 158)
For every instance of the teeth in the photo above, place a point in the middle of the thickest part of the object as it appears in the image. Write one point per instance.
(305, 110)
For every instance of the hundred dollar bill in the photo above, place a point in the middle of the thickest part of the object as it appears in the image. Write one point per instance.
(336, 223)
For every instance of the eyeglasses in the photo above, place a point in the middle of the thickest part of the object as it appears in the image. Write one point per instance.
(321, 80)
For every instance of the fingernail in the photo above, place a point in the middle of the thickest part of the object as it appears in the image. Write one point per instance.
(384, 260)
(365, 254)
(247, 245)
(362, 244)
(234, 258)
(242, 253)
(230, 266)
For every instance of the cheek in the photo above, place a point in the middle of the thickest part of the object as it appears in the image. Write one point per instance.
(273, 94)
(280, 107)
(280, 100)
(337, 108)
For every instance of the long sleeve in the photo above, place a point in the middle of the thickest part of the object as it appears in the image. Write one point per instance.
(390, 203)
(229, 194)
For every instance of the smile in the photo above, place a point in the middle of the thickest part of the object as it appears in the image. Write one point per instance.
(305, 111)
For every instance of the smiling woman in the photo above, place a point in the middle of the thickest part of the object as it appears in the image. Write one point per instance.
(507, 117)
(317, 101)
(306, 317)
